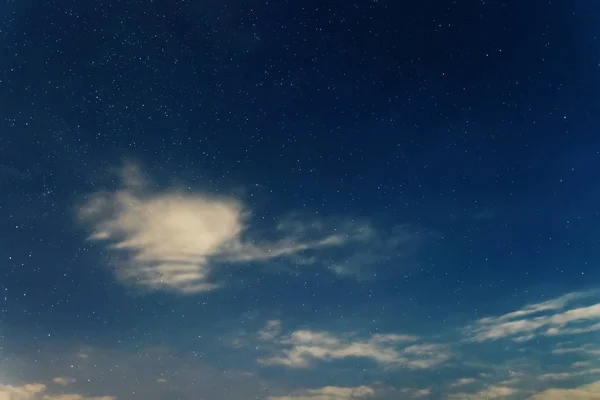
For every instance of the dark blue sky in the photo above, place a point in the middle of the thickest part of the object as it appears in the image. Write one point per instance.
(326, 200)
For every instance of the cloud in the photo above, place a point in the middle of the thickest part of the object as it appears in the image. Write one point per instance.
(485, 214)
(76, 397)
(514, 378)
(271, 331)
(554, 304)
(463, 382)
(62, 380)
(330, 393)
(421, 393)
(491, 392)
(301, 347)
(398, 246)
(526, 323)
(587, 392)
(124, 373)
(38, 391)
(572, 331)
(415, 393)
(585, 349)
(13, 173)
(25, 392)
(569, 375)
(172, 240)
(582, 364)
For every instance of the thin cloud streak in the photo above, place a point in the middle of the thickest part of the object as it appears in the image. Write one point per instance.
(525, 324)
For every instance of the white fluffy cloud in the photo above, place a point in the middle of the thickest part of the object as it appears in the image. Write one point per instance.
(38, 391)
(330, 393)
(526, 323)
(171, 240)
(301, 347)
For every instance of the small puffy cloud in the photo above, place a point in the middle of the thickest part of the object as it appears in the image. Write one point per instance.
(38, 391)
(301, 347)
(587, 392)
(330, 393)
(172, 240)
(63, 380)
(527, 323)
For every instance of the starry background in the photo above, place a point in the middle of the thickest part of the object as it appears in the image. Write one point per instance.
(472, 125)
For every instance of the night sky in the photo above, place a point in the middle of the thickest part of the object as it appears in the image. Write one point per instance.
(299, 200)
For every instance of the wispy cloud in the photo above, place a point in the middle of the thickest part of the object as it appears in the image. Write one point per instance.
(301, 347)
(416, 393)
(172, 239)
(421, 393)
(329, 393)
(527, 323)
(570, 374)
(124, 373)
(463, 382)
(400, 245)
(13, 173)
(485, 214)
(63, 380)
(587, 392)
(38, 391)
(582, 364)
(490, 392)
(586, 350)
(271, 331)
(514, 378)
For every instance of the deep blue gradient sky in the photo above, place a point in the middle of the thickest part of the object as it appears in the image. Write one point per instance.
(302, 200)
